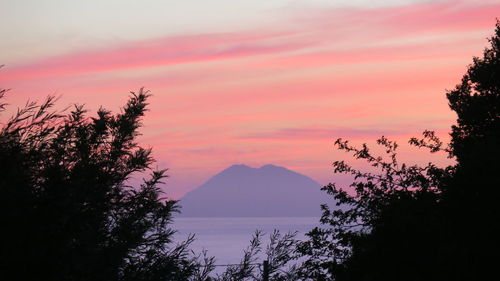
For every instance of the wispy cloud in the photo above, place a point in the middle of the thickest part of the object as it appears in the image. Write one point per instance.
(249, 95)
(312, 133)
(162, 51)
(337, 28)
(405, 20)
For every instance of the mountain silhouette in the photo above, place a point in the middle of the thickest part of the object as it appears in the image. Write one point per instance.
(243, 191)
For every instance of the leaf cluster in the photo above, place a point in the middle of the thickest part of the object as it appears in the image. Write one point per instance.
(67, 206)
(409, 222)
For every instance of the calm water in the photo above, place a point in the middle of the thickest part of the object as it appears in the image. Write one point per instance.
(225, 238)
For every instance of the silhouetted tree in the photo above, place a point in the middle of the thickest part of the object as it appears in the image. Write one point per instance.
(279, 252)
(382, 231)
(470, 198)
(421, 223)
(67, 209)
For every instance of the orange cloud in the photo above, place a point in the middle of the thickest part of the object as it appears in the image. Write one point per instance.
(163, 51)
(280, 97)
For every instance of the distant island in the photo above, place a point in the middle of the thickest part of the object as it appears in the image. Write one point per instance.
(243, 191)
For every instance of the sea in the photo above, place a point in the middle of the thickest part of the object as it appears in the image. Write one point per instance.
(226, 238)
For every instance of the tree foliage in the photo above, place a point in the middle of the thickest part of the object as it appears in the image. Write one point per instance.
(420, 223)
(67, 209)
(280, 252)
(470, 197)
(391, 212)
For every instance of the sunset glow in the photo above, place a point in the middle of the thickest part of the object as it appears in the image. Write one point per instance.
(256, 83)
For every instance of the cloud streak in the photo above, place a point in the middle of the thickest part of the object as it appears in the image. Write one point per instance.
(279, 93)
(318, 28)
(159, 52)
(322, 134)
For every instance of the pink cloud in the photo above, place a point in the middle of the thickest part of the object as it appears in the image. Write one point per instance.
(279, 97)
(320, 133)
(406, 20)
(320, 27)
(163, 51)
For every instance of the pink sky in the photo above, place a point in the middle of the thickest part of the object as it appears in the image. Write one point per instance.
(278, 88)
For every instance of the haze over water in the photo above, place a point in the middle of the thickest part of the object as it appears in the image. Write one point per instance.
(226, 238)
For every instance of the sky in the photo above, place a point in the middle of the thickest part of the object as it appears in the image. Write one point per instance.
(250, 82)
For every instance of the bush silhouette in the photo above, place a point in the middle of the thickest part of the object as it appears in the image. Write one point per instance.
(421, 223)
(67, 209)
